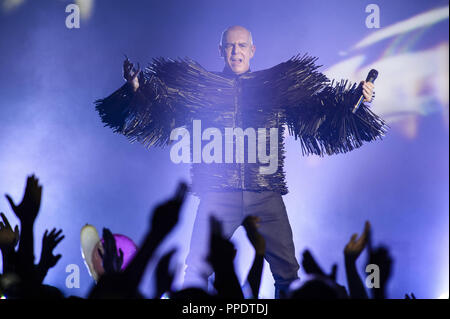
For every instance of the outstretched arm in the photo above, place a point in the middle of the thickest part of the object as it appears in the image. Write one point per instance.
(165, 95)
(319, 112)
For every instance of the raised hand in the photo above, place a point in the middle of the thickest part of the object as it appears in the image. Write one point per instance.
(8, 242)
(166, 215)
(312, 267)
(221, 256)
(356, 245)
(251, 225)
(351, 253)
(49, 243)
(164, 219)
(48, 260)
(28, 209)
(130, 73)
(8, 237)
(222, 251)
(112, 261)
(164, 276)
(27, 212)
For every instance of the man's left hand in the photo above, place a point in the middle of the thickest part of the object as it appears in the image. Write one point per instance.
(367, 90)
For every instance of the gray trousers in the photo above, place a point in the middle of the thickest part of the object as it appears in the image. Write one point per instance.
(231, 208)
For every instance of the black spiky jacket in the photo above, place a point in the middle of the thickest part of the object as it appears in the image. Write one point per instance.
(292, 94)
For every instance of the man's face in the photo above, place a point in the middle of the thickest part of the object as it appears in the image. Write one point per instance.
(237, 50)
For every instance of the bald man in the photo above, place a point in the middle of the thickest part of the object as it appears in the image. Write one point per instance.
(237, 48)
(231, 207)
(292, 93)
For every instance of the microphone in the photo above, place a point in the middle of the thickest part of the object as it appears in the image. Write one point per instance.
(371, 77)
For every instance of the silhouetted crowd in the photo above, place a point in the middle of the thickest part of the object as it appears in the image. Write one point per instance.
(22, 278)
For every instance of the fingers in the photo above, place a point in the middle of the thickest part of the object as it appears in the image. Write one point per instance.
(5, 221)
(367, 92)
(308, 259)
(29, 184)
(11, 203)
(53, 238)
(369, 241)
(251, 223)
(310, 265)
(136, 73)
(58, 233)
(58, 240)
(33, 192)
(107, 234)
(252, 219)
(53, 233)
(33, 185)
(180, 194)
(109, 241)
(367, 88)
(129, 72)
(368, 85)
(366, 231)
(364, 236)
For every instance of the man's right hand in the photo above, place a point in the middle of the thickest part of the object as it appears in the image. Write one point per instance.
(131, 74)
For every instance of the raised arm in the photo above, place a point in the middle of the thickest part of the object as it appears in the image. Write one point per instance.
(27, 211)
(8, 241)
(351, 253)
(251, 225)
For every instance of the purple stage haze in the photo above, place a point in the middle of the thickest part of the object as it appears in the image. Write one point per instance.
(50, 77)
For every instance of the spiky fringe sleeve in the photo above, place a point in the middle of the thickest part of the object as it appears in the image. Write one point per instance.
(319, 113)
(171, 93)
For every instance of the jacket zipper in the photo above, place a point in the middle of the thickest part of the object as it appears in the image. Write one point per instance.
(241, 165)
